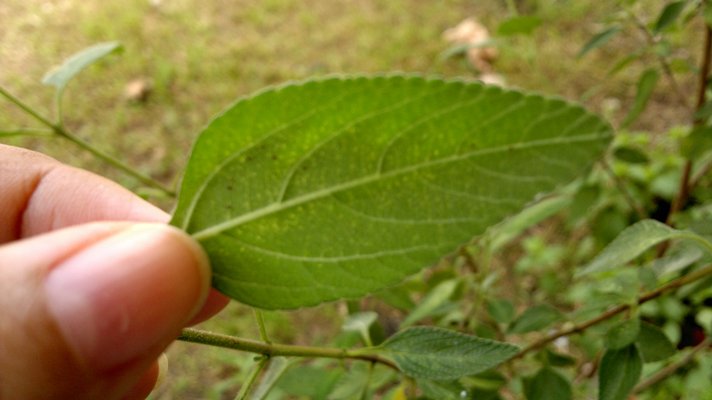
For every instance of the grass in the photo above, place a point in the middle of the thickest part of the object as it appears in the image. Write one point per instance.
(200, 56)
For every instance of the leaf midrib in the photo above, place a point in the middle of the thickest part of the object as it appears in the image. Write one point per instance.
(318, 194)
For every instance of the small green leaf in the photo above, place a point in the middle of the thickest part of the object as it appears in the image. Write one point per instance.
(535, 318)
(435, 390)
(599, 40)
(438, 296)
(697, 143)
(635, 240)
(501, 310)
(338, 187)
(653, 343)
(646, 85)
(519, 25)
(631, 155)
(704, 112)
(557, 359)
(361, 323)
(547, 384)
(668, 15)
(440, 354)
(60, 76)
(623, 334)
(624, 62)
(619, 372)
(277, 366)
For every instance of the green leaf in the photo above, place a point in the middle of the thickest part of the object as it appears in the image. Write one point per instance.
(623, 334)
(557, 359)
(309, 381)
(697, 143)
(704, 112)
(535, 318)
(635, 240)
(646, 85)
(441, 390)
(337, 187)
(599, 40)
(511, 228)
(519, 25)
(277, 366)
(61, 75)
(668, 15)
(440, 354)
(547, 384)
(438, 296)
(619, 372)
(361, 323)
(501, 310)
(631, 155)
(653, 343)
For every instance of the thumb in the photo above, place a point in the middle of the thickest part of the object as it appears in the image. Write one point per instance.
(85, 311)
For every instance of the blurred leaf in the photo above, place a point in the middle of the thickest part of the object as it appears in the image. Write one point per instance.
(277, 366)
(337, 187)
(624, 62)
(668, 15)
(535, 318)
(599, 40)
(704, 112)
(396, 297)
(353, 383)
(646, 86)
(440, 354)
(309, 381)
(501, 310)
(631, 155)
(623, 334)
(435, 298)
(461, 49)
(697, 143)
(61, 75)
(704, 318)
(488, 381)
(511, 228)
(547, 384)
(519, 25)
(653, 343)
(635, 240)
(441, 390)
(361, 323)
(678, 258)
(557, 359)
(619, 372)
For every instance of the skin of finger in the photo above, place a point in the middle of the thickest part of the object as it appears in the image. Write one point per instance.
(40, 195)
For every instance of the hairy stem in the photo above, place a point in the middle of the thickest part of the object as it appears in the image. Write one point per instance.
(670, 286)
(276, 349)
(61, 131)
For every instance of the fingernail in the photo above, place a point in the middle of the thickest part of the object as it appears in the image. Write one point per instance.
(126, 294)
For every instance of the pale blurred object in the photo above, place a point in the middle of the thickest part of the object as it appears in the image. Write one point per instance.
(138, 90)
(471, 33)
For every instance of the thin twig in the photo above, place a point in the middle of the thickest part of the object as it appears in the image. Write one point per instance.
(276, 349)
(246, 387)
(665, 65)
(671, 368)
(61, 131)
(670, 286)
(261, 324)
(624, 190)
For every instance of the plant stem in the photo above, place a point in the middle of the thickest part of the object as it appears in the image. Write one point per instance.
(276, 349)
(26, 132)
(670, 286)
(261, 324)
(59, 130)
(664, 64)
(247, 386)
(672, 367)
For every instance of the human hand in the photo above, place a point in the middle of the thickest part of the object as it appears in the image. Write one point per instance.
(87, 307)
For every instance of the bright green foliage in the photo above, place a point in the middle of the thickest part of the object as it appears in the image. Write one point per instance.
(653, 344)
(338, 187)
(440, 354)
(60, 76)
(519, 25)
(636, 239)
(547, 384)
(646, 85)
(623, 334)
(619, 372)
(535, 318)
(631, 155)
